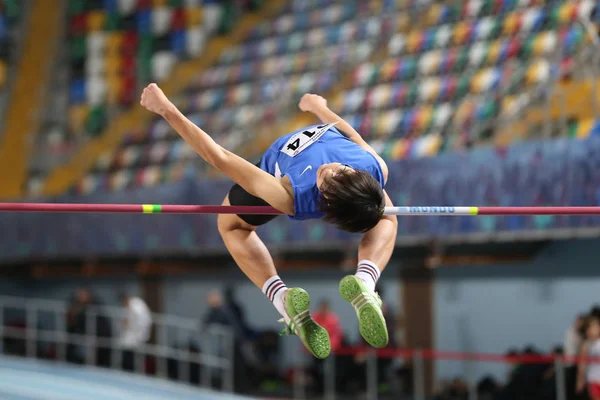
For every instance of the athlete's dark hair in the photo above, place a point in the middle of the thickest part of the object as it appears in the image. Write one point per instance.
(352, 201)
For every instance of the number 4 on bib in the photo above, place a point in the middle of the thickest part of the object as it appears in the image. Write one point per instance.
(302, 140)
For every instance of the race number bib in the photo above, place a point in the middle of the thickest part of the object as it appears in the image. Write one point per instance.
(302, 140)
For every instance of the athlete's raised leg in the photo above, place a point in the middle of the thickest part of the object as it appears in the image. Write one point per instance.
(374, 253)
(254, 259)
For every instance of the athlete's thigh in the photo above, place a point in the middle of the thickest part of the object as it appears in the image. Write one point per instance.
(229, 222)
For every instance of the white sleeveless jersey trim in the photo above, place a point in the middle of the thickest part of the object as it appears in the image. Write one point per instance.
(300, 141)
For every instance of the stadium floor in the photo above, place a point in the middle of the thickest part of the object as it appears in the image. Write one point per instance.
(23, 379)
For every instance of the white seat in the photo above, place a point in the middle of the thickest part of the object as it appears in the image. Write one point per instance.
(162, 64)
(161, 20)
(195, 41)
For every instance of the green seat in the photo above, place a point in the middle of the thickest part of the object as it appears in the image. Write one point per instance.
(229, 17)
(411, 95)
(113, 22)
(461, 59)
(527, 48)
(496, 28)
(77, 49)
(144, 68)
(176, 3)
(76, 7)
(96, 121)
(486, 7)
(463, 86)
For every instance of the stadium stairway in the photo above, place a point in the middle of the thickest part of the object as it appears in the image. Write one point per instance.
(41, 34)
(60, 179)
(569, 100)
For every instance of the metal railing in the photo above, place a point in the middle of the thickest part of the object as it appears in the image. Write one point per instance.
(415, 360)
(41, 332)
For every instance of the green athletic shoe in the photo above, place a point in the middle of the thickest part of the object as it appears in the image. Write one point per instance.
(313, 335)
(368, 309)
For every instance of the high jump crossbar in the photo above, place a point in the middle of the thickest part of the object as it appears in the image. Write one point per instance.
(266, 210)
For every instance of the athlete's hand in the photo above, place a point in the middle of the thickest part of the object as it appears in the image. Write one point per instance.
(153, 99)
(310, 102)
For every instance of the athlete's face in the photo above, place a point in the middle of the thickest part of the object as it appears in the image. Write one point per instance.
(329, 171)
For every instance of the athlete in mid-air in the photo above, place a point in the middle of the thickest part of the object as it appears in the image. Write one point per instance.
(324, 171)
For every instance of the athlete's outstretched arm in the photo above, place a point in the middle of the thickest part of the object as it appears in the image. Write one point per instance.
(254, 180)
(378, 244)
(318, 105)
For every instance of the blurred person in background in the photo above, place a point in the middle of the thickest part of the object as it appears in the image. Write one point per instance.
(330, 321)
(85, 305)
(320, 171)
(238, 312)
(572, 346)
(136, 327)
(589, 372)
(220, 314)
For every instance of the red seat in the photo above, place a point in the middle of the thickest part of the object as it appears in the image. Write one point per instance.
(129, 46)
(178, 21)
(78, 25)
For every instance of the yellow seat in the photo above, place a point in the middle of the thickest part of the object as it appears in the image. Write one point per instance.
(403, 23)
(96, 21)
(538, 44)
(532, 73)
(193, 16)
(115, 88)
(2, 74)
(425, 117)
(477, 82)
(585, 127)
(511, 23)
(433, 15)
(566, 11)
(413, 41)
(77, 116)
(160, 3)
(113, 65)
(494, 51)
(460, 32)
(387, 70)
(114, 40)
(375, 6)
(338, 101)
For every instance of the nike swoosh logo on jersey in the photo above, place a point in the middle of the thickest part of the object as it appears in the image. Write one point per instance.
(306, 169)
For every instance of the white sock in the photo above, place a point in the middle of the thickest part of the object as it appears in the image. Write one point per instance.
(369, 273)
(274, 288)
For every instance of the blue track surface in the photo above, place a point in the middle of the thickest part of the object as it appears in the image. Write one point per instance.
(22, 379)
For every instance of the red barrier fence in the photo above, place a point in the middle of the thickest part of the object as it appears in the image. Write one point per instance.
(430, 354)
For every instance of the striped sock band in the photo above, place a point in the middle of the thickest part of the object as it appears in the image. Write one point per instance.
(272, 287)
(368, 272)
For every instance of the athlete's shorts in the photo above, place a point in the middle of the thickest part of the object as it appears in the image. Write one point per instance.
(238, 196)
(594, 389)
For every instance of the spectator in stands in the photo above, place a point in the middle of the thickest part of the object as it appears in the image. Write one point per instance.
(136, 327)
(83, 303)
(457, 389)
(572, 345)
(574, 338)
(238, 312)
(589, 372)
(330, 321)
(219, 313)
